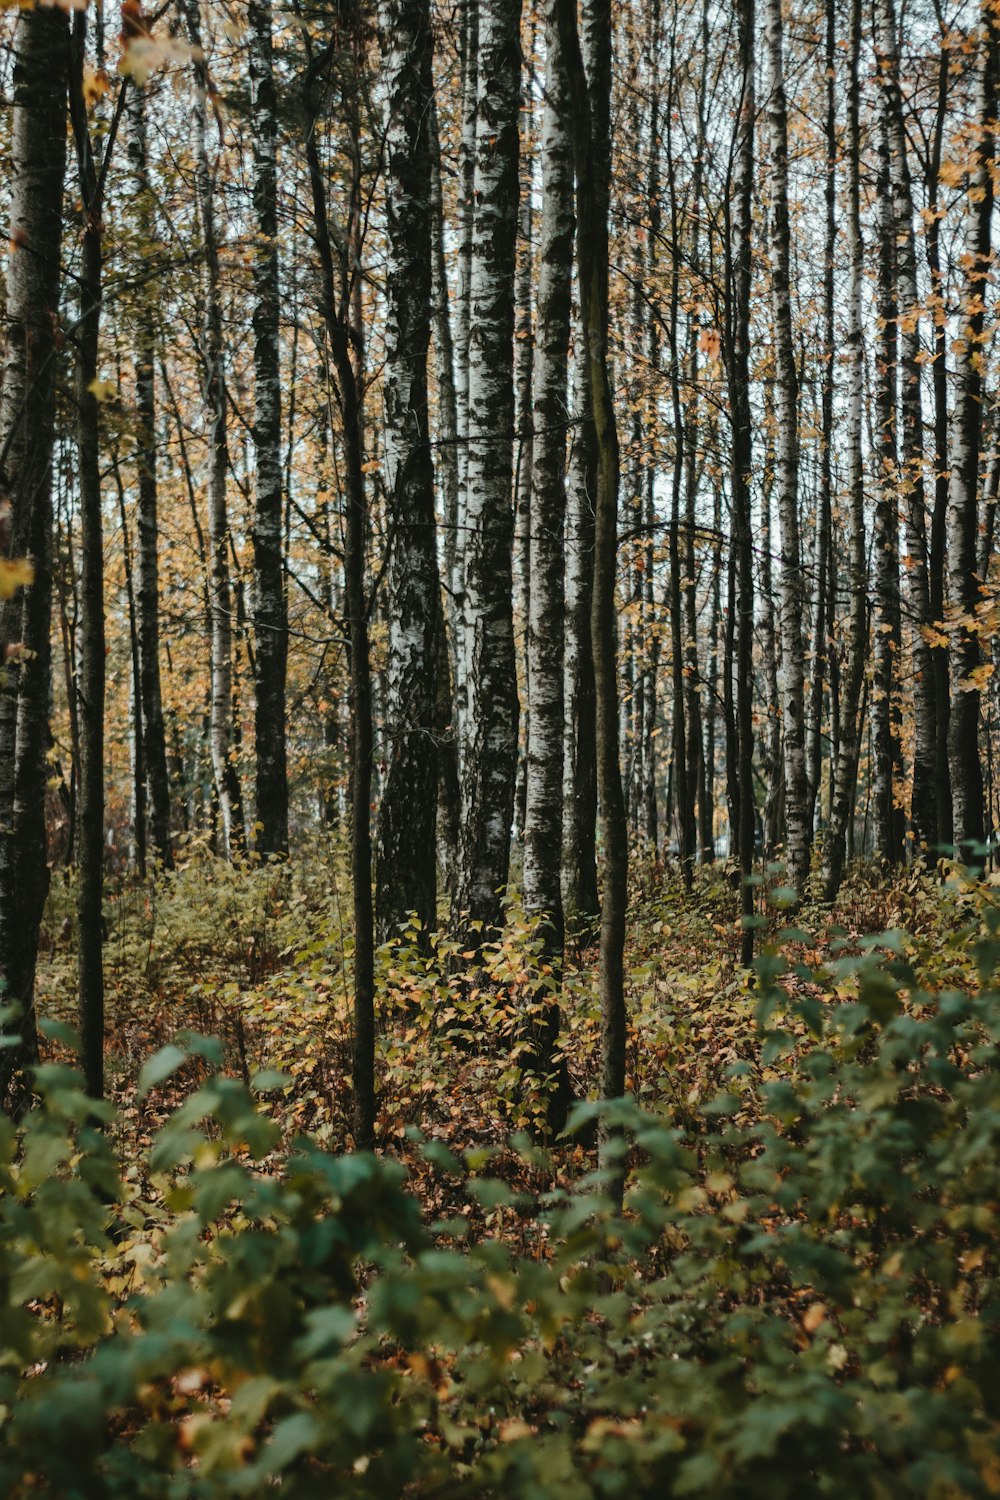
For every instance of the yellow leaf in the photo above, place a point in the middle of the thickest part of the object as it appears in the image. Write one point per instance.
(934, 636)
(813, 1316)
(102, 390)
(13, 574)
(977, 678)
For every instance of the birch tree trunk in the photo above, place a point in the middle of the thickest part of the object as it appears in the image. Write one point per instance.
(771, 736)
(683, 787)
(270, 610)
(798, 835)
(580, 899)
(855, 636)
(911, 468)
(652, 339)
(524, 359)
(824, 560)
(544, 793)
(543, 827)
(227, 791)
(490, 760)
(963, 497)
(447, 467)
(405, 865)
(455, 546)
(27, 429)
(939, 513)
(740, 275)
(147, 526)
(887, 633)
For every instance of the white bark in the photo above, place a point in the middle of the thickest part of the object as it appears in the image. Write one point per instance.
(491, 738)
(798, 833)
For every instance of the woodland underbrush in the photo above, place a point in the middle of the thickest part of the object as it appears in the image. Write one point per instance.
(203, 1293)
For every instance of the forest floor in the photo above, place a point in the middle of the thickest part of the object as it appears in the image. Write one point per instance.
(259, 958)
(206, 1297)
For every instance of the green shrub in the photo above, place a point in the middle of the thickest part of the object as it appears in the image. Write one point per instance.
(800, 1299)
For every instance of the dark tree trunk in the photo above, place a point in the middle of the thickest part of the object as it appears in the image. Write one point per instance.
(590, 92)
(147, 526)
(90, 878)
(963, 498)
(228, 795)
(27, 423)
(939, 514)
(405, 863)
(347, 375)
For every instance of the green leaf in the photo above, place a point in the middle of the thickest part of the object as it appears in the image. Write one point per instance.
(160, 1066)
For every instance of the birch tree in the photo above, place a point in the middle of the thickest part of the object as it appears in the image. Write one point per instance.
(798, 833)
(27, 430)
(405, 845)
(855, 632)
(270, 613)
(910, 480)
(739, 285)
(887, 633)
(579, 862)
(227, 790)
(543, 811)
(490, 760)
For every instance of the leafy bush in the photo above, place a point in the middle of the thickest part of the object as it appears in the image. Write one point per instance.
(801, 1298)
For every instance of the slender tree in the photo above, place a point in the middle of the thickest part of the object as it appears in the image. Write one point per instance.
(967, 439)
(148, 592)
(590, 93)
(739, 287)
(27, 430)
(405, 849)
(448, 471)
(855, 633)
(490, 760)
(90, 878)
(887, 635)
(341, 270)
(227, 788)
(910, 481)
(579, 864)
(543, 812)
(270, 611)
(798, 833)
(939, 512)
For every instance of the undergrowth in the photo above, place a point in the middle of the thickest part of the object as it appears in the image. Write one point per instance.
(202, 1295)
